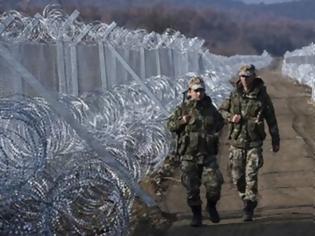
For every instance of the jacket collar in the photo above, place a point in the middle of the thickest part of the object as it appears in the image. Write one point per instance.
(258, 84)
(206, 101)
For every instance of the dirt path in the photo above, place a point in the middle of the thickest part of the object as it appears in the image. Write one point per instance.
(286, 190)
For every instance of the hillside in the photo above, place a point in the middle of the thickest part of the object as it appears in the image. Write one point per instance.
(298, 9)
(301, 10)
(229, 27)
(224, 32)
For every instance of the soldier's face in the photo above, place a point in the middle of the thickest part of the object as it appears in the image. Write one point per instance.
(197, 94)
(246, 81)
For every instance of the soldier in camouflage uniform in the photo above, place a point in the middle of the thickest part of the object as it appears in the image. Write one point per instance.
(196, 122)
(245, 111)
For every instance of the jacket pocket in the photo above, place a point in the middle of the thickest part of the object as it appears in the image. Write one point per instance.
(260, 127)
(235, 130)
(256, 130)
(183, 144)
(193, 143)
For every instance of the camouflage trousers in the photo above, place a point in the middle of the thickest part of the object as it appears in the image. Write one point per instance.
(244, 165)
(208, 173)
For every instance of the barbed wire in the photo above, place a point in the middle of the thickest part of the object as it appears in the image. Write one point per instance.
(52, 25)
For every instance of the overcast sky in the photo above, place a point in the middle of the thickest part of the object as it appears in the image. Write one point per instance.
(267, 1)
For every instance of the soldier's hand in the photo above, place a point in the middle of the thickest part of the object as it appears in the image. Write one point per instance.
(186, 118)
(275, 148)
(236, 118)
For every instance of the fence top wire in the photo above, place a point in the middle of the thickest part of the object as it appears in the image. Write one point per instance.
(55, 24)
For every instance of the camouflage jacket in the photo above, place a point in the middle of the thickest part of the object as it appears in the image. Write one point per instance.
(198, 137)
(254, 107)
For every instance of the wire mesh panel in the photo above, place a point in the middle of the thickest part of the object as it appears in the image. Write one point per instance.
(150, 63)
(88, 67)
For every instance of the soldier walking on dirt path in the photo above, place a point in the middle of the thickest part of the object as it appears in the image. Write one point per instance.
(245, 111)
(196, 122)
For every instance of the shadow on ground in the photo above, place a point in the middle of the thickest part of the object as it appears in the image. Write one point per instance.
(257, 228)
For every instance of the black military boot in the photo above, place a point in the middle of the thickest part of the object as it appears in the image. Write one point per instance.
(213, 213)
(249, 207)
(197, 216)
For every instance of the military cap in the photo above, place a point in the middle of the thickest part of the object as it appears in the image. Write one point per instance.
(247, 70)
(196, 82)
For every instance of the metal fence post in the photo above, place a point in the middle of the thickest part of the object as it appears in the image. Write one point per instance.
(201, 66)
(74, 83)
(62, 88)
(172, 72)
(101, 54)
(158, 63)
(61, 62)
(126, 57)
(186, 61)
(102, 58)
(142, 62)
